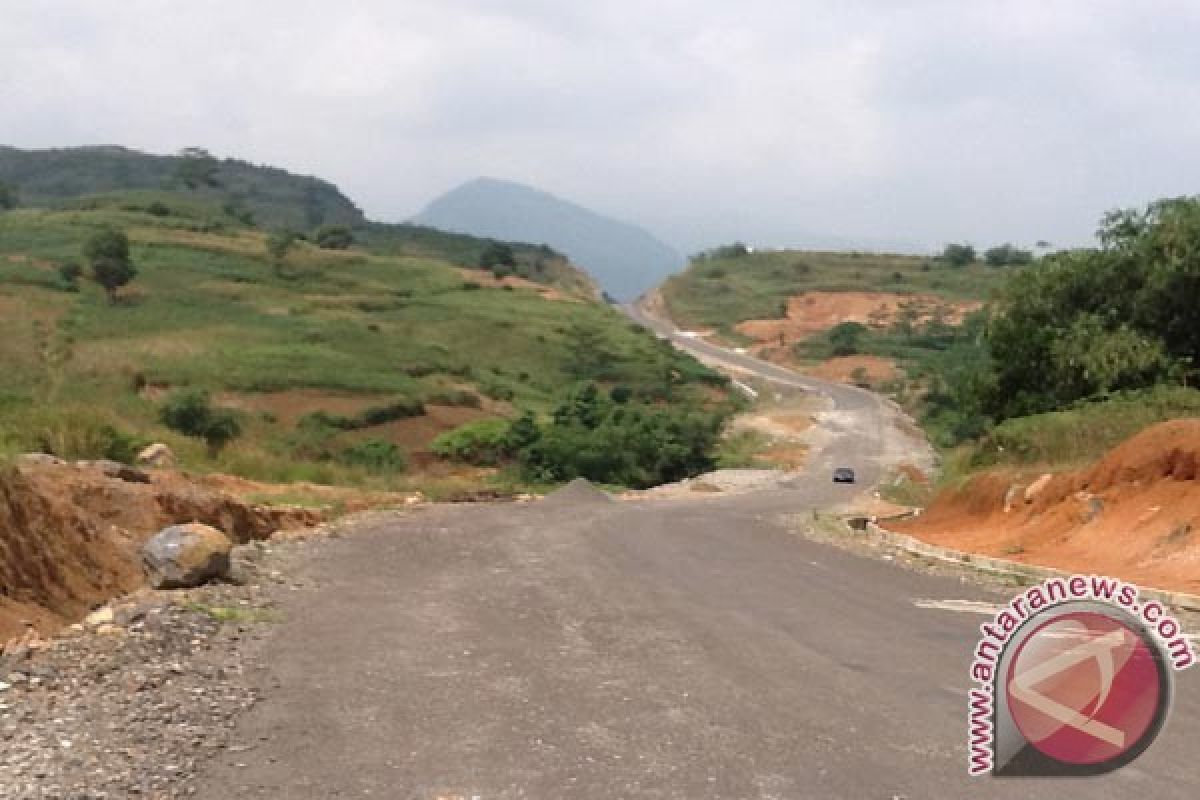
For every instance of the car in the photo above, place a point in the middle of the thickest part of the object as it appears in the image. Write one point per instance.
(843, 475)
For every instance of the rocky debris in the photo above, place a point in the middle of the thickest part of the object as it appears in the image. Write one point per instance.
(157, 456)
(579, 492)
(184, 556)
(131, 702)
(1037, 487)
(39, 460)
(70, 533)
(122, 711)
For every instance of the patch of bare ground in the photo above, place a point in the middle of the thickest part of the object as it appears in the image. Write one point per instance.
(811, 313)
(1135, 514)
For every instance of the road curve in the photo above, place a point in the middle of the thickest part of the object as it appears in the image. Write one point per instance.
(584, 648)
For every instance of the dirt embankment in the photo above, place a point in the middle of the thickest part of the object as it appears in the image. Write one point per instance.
(1135, 514)
(70, 534)
(810, 313)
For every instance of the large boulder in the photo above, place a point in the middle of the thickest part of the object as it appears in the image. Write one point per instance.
(157, 455)
(183, 556)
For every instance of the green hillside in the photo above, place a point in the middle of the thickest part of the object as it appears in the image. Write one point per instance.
(275, 197)
(335, 362)
(731, 284)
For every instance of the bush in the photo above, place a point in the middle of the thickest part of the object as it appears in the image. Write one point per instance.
(158, 209)
(482, 443)
(333, 237)
(189, 412)
(70, 272)
(375, 455)
(499, 258)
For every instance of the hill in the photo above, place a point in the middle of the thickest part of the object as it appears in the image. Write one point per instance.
(276, 198)
(733, 285)
(341, 366)
(625, 259)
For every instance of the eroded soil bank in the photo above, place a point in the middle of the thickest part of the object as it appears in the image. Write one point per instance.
(1134, 514)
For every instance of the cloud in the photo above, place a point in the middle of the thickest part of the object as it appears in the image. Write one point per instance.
(922, 121)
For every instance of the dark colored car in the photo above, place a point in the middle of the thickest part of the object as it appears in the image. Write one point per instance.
(843, 475)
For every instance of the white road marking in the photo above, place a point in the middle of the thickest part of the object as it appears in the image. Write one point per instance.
(960, 606)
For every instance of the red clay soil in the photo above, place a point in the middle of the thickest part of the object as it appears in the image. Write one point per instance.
(809, 313)
(1135, 514)
(845, 369)
(70, 535)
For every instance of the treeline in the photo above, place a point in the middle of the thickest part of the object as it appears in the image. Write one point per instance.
(1086, 323)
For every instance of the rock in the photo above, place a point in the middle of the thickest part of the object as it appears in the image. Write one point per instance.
(184, 556)
(1010, 497)
(157, 455)
(101, 616)
(110, 630)
(39, 460)
(121, 472)
(1037, 486)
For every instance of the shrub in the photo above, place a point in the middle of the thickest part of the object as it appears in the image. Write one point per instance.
(158, 209)
(70, 272)
(483, 443)
(376, 455)
(190, 412)
(333, 237)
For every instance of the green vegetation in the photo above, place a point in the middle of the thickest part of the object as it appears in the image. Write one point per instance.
(8, 197)
(321, 365)
(274, 197)
(333, 237)
(721, 289)
(612, 438)
(189, 412)
(958, 255)
(107, 251)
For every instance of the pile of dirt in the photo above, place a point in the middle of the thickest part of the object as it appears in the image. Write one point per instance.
(70, 534)
(810, 313)
(1135, 514)
(578, 493)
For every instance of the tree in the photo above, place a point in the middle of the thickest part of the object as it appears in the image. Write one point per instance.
(196, 168)
(958, 255)
(1006, 255)
(498, 257)
(846, 338)
(278, 244)
(70, 273)
(107, 252)
(8, 197)
(191, 413)
(333, 237)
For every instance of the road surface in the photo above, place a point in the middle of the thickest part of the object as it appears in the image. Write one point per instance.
(585, 648)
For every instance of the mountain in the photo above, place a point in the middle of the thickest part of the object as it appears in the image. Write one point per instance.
(275, 197)
(625, 259)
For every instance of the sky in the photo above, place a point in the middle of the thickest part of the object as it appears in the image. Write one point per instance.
(871, 123)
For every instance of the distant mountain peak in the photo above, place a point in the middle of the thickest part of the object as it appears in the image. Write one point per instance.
(625, 259)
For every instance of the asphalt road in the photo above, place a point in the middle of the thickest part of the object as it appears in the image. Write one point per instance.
(588, 648)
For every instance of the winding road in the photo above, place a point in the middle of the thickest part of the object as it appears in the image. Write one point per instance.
(580, 647)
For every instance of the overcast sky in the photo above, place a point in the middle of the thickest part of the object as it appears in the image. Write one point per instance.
(775, 122)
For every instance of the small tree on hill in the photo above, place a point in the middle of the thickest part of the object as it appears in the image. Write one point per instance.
(958, 255)
(8, 197)
(278, 245)
(197, 168)
(107, 252)
(191, 413)
(499, 258)
(70, 272)
(333, 237)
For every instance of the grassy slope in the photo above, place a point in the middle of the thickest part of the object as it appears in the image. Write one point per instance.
(721, 292)
(208, 310)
